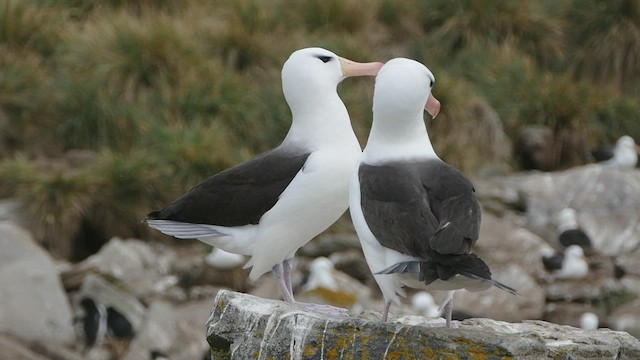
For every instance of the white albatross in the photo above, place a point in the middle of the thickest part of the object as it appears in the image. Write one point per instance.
(416, 216)
(271, 205)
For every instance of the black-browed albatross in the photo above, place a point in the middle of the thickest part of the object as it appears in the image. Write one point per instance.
(273, 204)
(416, 216)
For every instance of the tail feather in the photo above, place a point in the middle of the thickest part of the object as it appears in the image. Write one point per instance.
(470, 266)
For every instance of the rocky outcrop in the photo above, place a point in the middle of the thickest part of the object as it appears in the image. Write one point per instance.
(34, 304)
(243, 326)
(607, 200)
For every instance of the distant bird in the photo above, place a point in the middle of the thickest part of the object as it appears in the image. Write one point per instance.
(589, 321)
(569, 231)
(118, 326)
(273, 204)
(94, 321)
(416, 216)
(222, 260)
(158, 355)
(321, 275)
(570, 264)
(422, 302)
(623, 155)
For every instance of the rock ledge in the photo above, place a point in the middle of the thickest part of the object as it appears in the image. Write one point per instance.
(243, 326)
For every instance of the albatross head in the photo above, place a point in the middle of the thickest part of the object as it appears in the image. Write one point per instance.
(404, 85)
(316, 71)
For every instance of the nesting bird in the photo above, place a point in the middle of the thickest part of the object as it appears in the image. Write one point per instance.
(569, 232)
(223, 260)
(624, 155)
(273, 204)
(422, 302)
(416, 216)
(570, 264)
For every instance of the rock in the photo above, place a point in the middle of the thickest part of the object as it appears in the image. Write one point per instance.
(569, 313)
(329, 244)
(348, 293)
(353, 263)
(34, 304)
(15, 350)
(9, 210)
(176, 331)
(607, 200)
(498, 304)
(133, 262)
(242, 326)
(627, 318)
(502, 244)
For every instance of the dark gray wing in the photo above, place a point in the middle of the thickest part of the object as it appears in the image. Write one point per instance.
(239, 195)
(425, 209)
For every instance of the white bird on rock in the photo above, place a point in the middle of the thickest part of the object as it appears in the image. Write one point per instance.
(571, 264)
(624, 155)
(224, 260)
(416, 216)
(271, 205)
(422, 302)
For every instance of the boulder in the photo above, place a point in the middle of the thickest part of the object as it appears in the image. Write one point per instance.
(141, 268)
(607, 200)
(16, 350)
(34, 304)
(173, 330)
(242, 326)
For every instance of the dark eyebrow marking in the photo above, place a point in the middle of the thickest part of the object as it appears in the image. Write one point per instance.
(323, 58)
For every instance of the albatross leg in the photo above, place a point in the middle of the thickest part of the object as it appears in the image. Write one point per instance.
(286, 268)
(385, 314)
(278, 272)
(281, 272)
(448, 308)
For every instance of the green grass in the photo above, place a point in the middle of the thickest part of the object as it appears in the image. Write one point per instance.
(166, 93)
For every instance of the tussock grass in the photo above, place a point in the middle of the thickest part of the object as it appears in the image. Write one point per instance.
(607, 41)
(27, 26)
(54, 200)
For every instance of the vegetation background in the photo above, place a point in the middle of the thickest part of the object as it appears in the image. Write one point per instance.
(111, 108)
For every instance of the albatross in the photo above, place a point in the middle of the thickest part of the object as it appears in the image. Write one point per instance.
(416, 216)
(273, 204)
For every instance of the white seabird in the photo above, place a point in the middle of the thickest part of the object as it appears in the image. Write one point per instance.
(624, 155)
(223, 260)
(422, 302)
(416, 216)
(571, 264)
(273, 204)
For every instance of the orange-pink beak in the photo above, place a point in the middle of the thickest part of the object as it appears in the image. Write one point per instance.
(352, 68)
(432, 106)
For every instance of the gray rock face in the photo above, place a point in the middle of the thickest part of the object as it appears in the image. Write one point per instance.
(607, 200)
(174, 330)
(243, 326)
(34, 304)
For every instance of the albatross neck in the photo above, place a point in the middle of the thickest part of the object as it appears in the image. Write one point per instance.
(398, 138)
(321, 121)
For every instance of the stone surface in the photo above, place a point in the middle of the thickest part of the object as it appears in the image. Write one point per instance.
(607, 200)
(242, 326)
(34, 304)
(175, 330)
(13, 349)
(134, 263)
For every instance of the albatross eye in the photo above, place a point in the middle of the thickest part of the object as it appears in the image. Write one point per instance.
(432, 82)
(324, 59)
